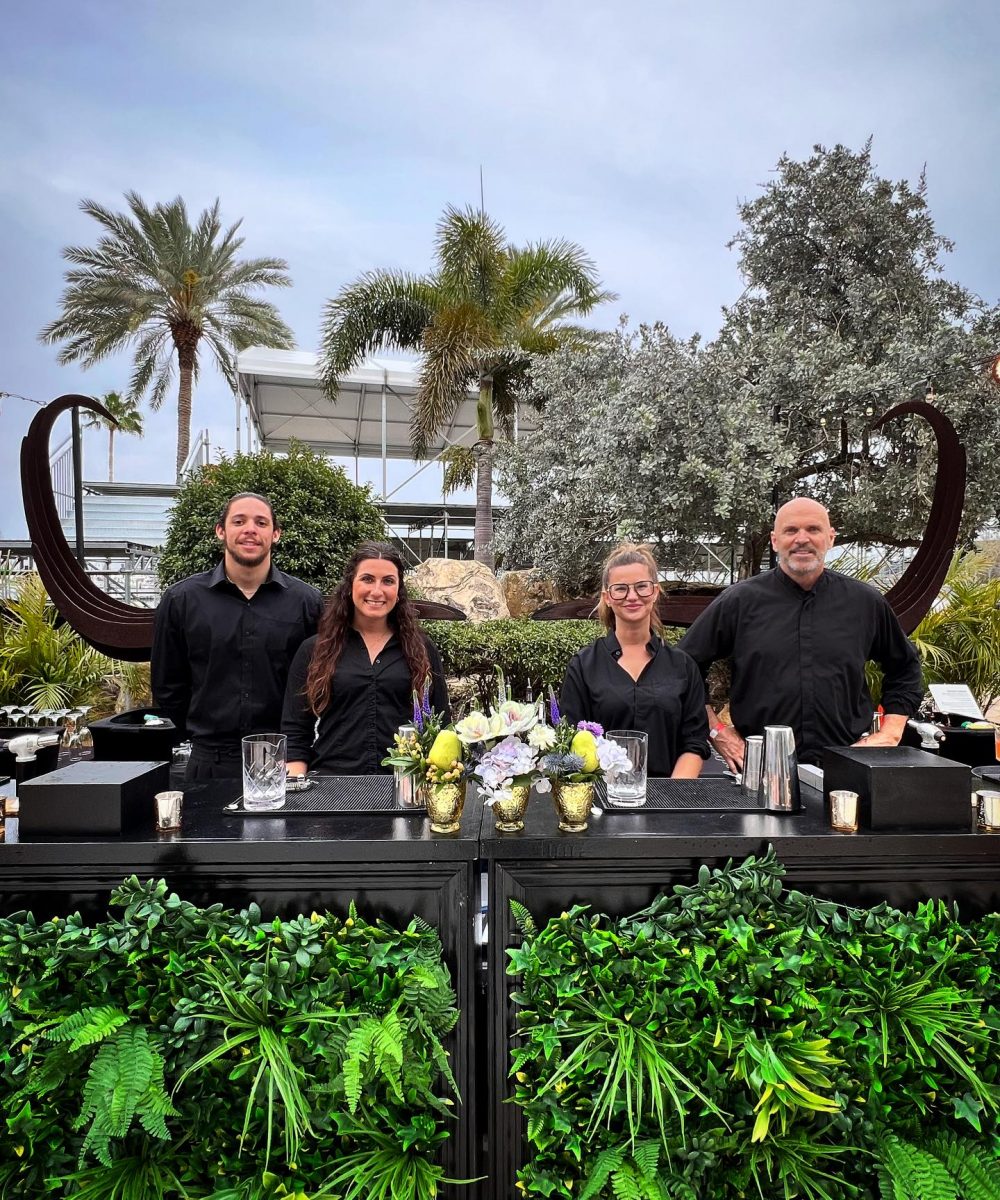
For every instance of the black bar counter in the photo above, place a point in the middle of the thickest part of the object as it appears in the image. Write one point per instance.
(390, 866)
(625, 859)
(394, 867)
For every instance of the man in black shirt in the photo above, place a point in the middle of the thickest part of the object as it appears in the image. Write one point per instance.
(798, 638)
(223, 641)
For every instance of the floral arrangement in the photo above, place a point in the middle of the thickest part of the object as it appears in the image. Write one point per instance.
(579, 753)
(513, 746)
(428, 750)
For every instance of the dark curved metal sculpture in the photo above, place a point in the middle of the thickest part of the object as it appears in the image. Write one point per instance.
(116, 629)
(912, 596)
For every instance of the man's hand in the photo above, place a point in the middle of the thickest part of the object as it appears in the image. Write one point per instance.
(731, 746)
(893, 725)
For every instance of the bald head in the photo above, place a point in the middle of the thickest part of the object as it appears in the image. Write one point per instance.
(801, 537)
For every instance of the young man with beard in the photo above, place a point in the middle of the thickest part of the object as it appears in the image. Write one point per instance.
(798, 639)
(223, 641)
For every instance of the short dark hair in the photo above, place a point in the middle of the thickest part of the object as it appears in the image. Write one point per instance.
(249, 496)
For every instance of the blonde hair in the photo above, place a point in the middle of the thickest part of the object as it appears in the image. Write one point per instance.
(626, 555)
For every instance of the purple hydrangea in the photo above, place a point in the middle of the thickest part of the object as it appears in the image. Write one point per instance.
(591, 727)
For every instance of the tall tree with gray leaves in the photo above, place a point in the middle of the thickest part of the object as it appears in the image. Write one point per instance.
(845, 311)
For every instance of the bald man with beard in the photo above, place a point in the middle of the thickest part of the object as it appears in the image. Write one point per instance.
(798, 638)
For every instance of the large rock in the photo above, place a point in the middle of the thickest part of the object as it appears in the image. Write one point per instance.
(526, 591)
(468, 585)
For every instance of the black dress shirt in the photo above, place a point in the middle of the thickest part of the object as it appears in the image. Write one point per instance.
(368, 703)
(798, 656)
(667, 700)
(220, 661)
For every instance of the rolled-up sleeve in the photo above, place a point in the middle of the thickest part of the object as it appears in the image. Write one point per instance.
(902, 684)
(694, 720)
(298, 722)
(169, 668)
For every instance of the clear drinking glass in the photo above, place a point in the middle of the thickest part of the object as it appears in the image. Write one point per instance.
(264, 757)
(628, 788)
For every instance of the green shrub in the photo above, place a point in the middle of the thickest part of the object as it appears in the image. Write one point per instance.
(174, 1051)
(535, 652)
(738, 1039)
(323, 515)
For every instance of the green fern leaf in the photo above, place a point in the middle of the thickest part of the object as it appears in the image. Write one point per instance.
(646, 1157)
(607, 1161)
(625, 1185)
(916, 1174)
(87, 1026)
(523, 919)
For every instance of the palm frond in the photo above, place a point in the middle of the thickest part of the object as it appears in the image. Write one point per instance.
(379, 310)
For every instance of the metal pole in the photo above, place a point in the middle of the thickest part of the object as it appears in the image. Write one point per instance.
(385, 482)
(236, 401)
(446, 533)
(78, 487)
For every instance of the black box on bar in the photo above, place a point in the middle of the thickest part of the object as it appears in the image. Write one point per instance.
(103, 798)
(901, 788)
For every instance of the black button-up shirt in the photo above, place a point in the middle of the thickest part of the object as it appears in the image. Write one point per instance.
(667, 700)
(798, 656)
(368, 703)
(220, 661)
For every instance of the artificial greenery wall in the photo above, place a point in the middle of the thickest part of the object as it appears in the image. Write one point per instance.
(737, 1039)
(176, 1051)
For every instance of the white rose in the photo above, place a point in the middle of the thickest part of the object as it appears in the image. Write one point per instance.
(473, 728)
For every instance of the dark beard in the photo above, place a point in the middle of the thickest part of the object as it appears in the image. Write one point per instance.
(242, 561)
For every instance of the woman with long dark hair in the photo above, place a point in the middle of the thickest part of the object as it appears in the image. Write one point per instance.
(632, 678)
(351, 686)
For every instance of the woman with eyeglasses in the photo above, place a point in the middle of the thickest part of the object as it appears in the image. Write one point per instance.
(631, 678)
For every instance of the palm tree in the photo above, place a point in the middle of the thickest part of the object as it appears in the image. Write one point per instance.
(157, 285)
(476, 320)
(127, 419)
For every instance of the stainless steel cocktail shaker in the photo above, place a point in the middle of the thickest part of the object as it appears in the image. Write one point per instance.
(779, 777)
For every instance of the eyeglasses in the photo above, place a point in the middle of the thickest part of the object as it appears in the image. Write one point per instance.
(643, 589)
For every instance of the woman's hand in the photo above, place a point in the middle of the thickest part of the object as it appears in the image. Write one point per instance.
(296, 768)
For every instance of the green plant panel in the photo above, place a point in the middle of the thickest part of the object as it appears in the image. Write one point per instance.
(176, 1051)
(737, 1039)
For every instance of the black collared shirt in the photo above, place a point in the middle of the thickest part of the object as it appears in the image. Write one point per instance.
(220, 661)
(798, 656)
(368, 703)
(667, 700)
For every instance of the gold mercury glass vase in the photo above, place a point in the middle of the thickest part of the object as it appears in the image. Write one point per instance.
(445, 802)
(509, 814)
(572, 802)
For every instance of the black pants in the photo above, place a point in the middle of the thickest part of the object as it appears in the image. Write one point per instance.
(213, 762)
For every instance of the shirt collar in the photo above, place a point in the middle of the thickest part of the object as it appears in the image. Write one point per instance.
(218, 576)
(789, 582)
(615, 648)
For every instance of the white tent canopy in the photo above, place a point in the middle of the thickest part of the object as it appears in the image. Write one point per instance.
(370, 417)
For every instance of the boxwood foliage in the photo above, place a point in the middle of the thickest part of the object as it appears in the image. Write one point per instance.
(323, 515)
(736, 1039)
(528, 652)
(176, 1051)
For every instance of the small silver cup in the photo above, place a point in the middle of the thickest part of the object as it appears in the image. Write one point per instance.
(989, 810)
(753, 758)
(844, 811)
(779, 776)
(168, 810)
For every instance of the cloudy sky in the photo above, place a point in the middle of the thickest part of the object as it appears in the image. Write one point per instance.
(339, 130)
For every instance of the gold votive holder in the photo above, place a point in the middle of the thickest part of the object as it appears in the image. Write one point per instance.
(844, 810)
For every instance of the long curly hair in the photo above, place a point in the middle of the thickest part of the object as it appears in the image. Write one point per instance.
(626, 555)
(338, 618)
